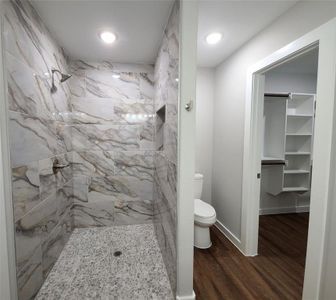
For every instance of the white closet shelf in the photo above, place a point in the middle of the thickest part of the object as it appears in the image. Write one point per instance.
(297, 153)
(295, 189)
(299, 134)
(296, 172)
(300, 115)
(270, 158)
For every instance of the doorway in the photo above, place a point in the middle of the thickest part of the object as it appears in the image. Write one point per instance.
(286, 168)
(320, 191)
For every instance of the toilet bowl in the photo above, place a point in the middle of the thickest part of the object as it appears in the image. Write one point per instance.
(204, 217)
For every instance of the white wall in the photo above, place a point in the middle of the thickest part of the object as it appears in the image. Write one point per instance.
(229, 105)
(277, 82)
(328, 288)
(204, 127)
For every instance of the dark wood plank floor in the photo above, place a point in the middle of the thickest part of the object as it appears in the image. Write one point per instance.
(222, 272)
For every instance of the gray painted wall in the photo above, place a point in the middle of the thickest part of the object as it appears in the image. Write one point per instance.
(229, 106)
(204, 127)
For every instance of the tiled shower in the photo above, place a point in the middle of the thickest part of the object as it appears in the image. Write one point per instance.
(111, 127)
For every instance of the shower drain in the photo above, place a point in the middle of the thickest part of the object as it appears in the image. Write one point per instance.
(117, 253)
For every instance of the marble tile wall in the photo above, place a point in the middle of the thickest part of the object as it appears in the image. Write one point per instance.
(165, 160)
(113, 143)
(38, 134)
(100, 125)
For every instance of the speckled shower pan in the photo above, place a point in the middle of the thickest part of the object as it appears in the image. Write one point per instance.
(120, 262)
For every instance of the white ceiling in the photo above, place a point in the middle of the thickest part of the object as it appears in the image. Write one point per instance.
(304, 64)
(138, 25)
(238, 21)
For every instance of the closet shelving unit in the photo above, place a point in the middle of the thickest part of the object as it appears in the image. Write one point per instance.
(288, 140)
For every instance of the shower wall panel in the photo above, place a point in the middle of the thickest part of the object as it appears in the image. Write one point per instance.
(112, 138)
(165, 161)
(38, 132)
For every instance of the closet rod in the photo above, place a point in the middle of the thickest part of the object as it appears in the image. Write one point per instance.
(284, 95)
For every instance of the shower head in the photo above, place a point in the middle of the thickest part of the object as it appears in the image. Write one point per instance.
(64, 77)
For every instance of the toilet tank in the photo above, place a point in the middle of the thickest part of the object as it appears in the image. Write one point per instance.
(198, 182)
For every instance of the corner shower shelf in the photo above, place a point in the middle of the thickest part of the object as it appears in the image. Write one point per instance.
(288, 136)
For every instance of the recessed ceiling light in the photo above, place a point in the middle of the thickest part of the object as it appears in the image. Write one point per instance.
(107, 37)
(213, 38)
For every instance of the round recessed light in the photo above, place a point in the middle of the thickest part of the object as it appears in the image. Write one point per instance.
(107, 37)
(213, 38)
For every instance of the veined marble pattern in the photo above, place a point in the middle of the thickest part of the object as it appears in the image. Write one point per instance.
(79, 67)
(102, 84)
(26, 188)
(40, 236)
(38, 135)
(31, 138)
(101, 129)
(166, 137)
(135, 164)
(112, 200)
(105, 137)
(87, 268)
(113, 188)
(112, 136)
(93, 163)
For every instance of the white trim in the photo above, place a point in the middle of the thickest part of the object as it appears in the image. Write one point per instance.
(321, 188)
(186, 148)
(283, 210)
(188, 297)
(8, 285)
(229, 235)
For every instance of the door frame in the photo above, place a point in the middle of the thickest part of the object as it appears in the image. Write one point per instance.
(8, 280)
(321, 189)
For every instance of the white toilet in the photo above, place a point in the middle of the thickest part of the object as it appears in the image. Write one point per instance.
(204, 216)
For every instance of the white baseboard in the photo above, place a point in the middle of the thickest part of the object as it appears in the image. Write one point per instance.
(188, 297)
(231, 237)
(283, 210)
(304, 208)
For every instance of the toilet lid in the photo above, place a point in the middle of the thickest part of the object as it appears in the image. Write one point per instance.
(203, 209)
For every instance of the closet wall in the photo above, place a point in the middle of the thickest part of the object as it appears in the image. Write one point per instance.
(286, 202)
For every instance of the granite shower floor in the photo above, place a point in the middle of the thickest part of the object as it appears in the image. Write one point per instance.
(88, 268)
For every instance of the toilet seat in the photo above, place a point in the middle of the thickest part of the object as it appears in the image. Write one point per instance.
(204, 213)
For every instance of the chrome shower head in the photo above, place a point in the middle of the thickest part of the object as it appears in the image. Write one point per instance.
(64, 77)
